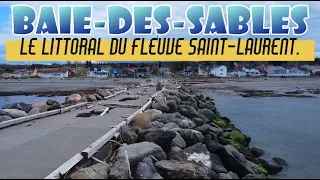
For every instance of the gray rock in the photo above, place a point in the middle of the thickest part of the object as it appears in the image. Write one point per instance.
(160, 104)
(54, 107)
(172, 105)
(279, 161)
(204, 129)
(197, 154)
(224, 176)
(171, 92)
(101, 92)
(159, 86)
(153, 113)
(5, 118)
(188, 111)
(97, 171)
(98, 97)
(187, 124)
(119, 170)
(138, 151)
(174, 150)
(42, 106)
(156, 176)
(216, 130)
(19, 106)
(178, 141)
(72, 99)
(235, 161)
(14, 113)
(272, 169)
(217, 165)
(174, 98)
(161, 137)
(198, 121)
(167, 118)
(213, 146)
(171, 125)
(209, 114)
(205, 119)
(145, 169)
(128, 135)
(91, 98)
(191, 136)
(171, 169)
(154, 125)
(34, 111)
(233, 175)
(51, 102)
(256, 151)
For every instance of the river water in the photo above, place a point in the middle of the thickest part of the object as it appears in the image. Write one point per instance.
(27, 99)
(283, 127)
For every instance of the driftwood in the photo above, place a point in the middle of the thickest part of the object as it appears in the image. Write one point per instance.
(128, 98)
(105, 111)
(121, 105)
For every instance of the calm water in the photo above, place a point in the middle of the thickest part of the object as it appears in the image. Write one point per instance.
(283, 127)
(27, 99)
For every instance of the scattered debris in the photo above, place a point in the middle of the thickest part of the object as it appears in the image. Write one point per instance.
(90, 106)
(128, 98)
(84, 115)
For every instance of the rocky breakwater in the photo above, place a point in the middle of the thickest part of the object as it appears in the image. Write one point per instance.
(183, 136)
(21, 109)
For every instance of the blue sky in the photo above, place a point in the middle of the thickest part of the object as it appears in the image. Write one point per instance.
(178, 9)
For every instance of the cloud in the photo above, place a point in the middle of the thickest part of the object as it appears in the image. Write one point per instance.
(178, 10)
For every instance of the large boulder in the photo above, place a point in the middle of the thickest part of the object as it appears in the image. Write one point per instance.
(171, 125)
(34, 111)
(235, 161)
(172, 105)
(172, 169)
(91, 98)
(216, 164)
(209, 114)
(280, 162)
(191, 136)
(272, 169)
(97, 171)
(161, 137)
(160, 104)
(119, 170)
(98, 97)
(128, 135)
(167, 118)
(224, 176)
(204, 129)
(256, 151)
(155, 125)
(19, 106)
(73, 99)
(153, 113)
(145, 169)
(188, 111)
(141, 120)
(171, 92)
(51, 102)
(101, 92)
(5, 118)
(178, 141)
(54, 106)
(42, 106)
(186, 124)
(14, 113)
(197, 154)
(136, 152)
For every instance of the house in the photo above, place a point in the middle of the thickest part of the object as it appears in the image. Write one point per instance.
(187, 72)
(116, 72)
(219, 71)
(54, 73)
(81, 71)
(25, 73)
(313, 69)
(277, 71)
(251, 71)
(204, 70)
(298, 73)
(98, 72)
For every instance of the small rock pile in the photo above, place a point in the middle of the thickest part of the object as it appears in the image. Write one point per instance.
(183, 136)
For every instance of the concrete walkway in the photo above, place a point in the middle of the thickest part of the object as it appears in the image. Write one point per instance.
(35, 149)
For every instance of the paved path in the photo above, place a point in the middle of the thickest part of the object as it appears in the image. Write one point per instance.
(37, 150)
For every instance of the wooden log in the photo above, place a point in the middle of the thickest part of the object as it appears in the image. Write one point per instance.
(64, 168)
(94, 147)
(105, 111)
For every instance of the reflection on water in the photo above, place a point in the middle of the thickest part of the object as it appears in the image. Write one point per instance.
(27, 99)
(283, 127)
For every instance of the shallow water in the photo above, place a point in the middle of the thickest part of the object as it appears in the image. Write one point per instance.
(283, 127)
(27, 99)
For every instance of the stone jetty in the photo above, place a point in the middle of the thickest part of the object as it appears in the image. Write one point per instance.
(181, 136)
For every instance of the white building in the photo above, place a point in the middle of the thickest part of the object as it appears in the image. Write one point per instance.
(98, 72)
(250, 72)
(313, 69)
(220, 71)
(277, 71)
(54, 73)
(298, 73)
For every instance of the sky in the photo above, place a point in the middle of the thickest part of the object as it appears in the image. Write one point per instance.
(178, 13)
